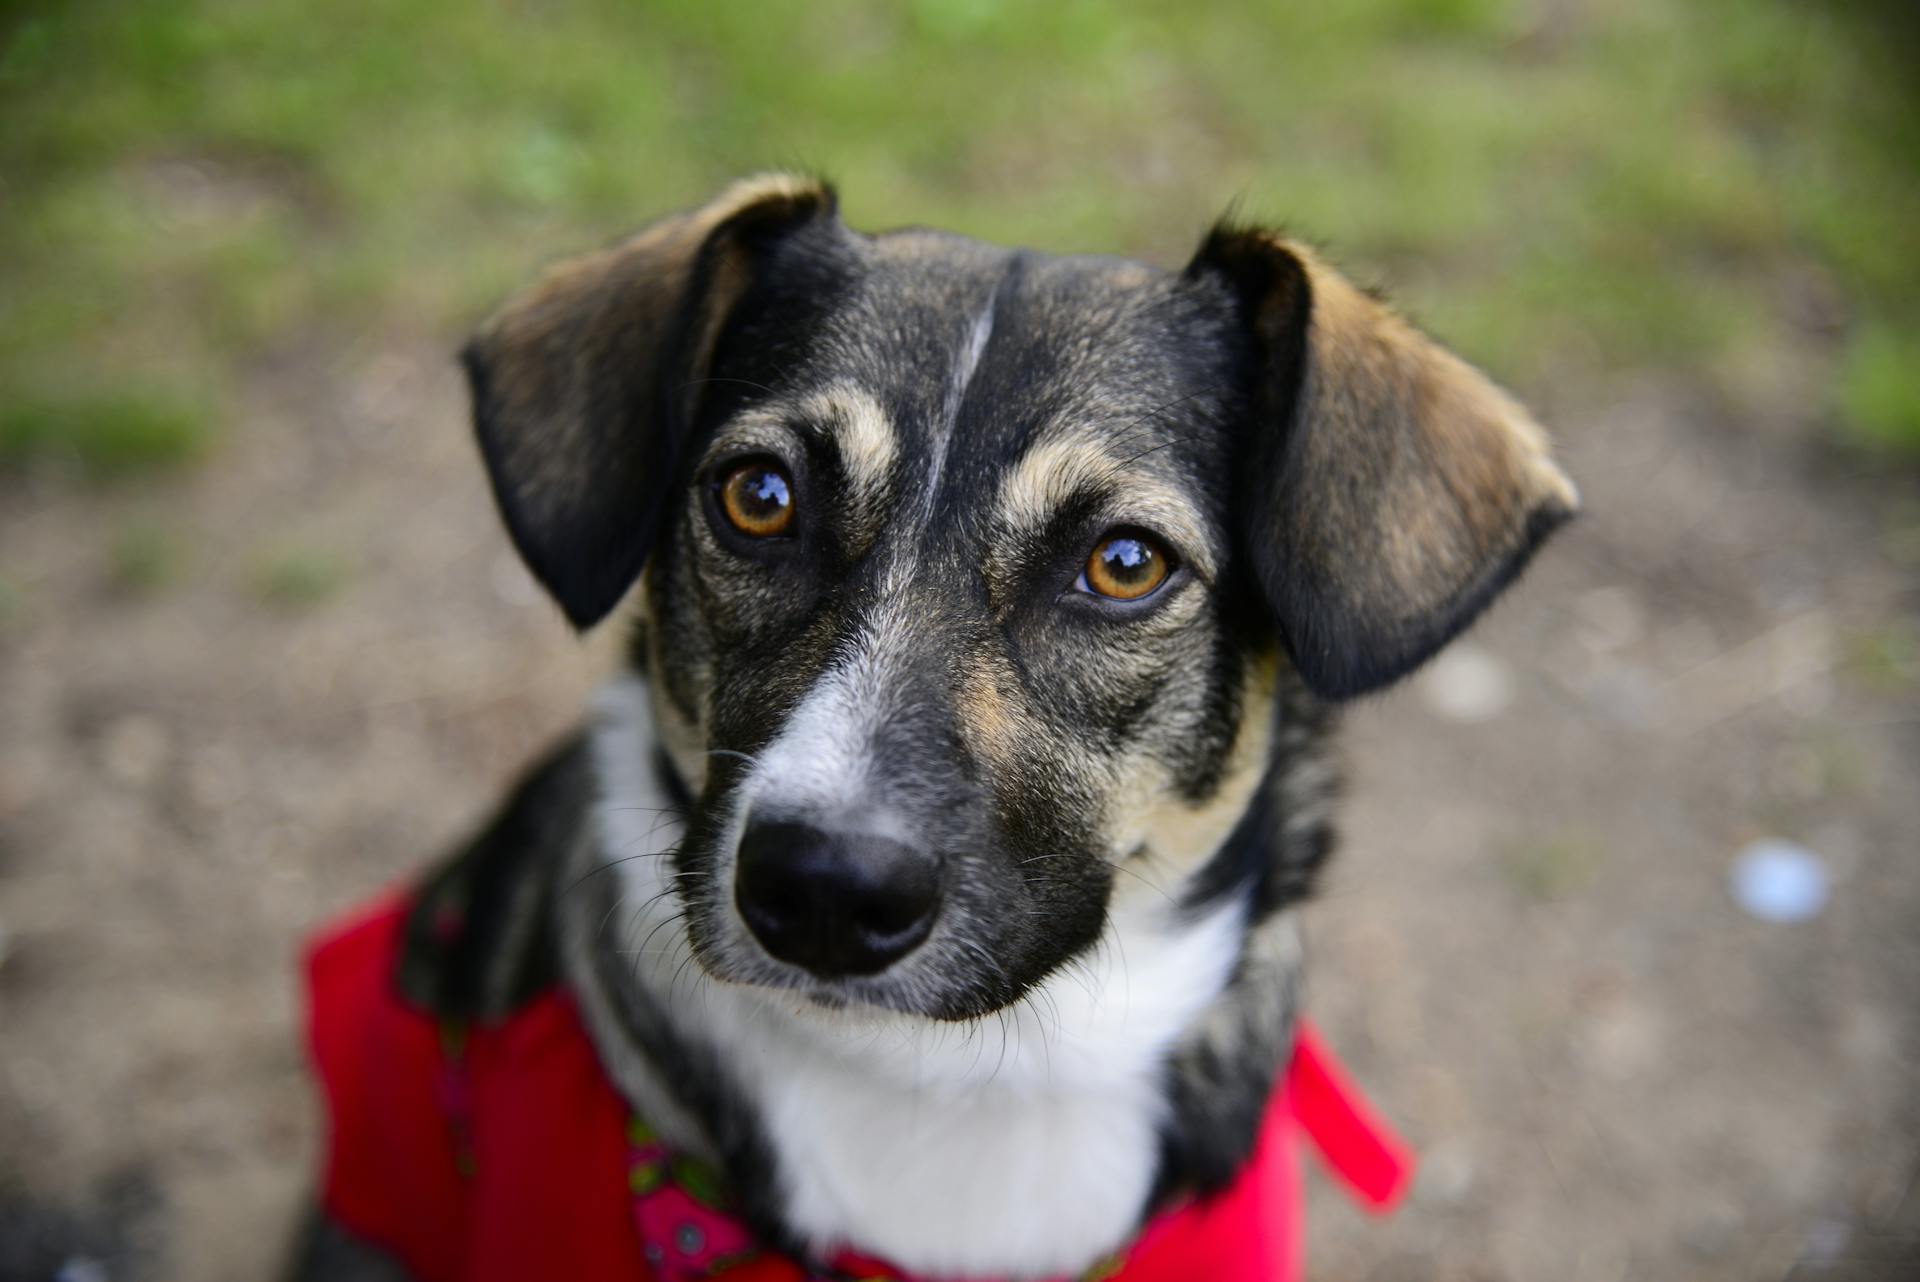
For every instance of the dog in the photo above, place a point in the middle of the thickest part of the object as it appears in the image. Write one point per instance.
(928, 875)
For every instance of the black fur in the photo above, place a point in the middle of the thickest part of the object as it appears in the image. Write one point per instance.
(479, 939)
(1347, 634)
(583, 448)
(1218, 1084)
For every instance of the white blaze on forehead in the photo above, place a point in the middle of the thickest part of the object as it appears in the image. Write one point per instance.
(1057, 468)
(972, 347)
(969, 363)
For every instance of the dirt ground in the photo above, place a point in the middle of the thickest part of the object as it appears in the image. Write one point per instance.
(1527, 949)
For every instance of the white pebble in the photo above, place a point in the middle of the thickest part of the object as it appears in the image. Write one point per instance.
(1779, 881)
(1467, 683)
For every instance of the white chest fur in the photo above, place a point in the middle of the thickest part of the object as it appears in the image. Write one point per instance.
(1022, 1144)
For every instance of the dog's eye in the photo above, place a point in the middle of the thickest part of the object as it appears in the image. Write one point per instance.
(1125, 567)
(757, 499)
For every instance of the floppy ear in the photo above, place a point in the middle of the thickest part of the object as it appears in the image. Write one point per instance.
(583, 386)
(1391, 490)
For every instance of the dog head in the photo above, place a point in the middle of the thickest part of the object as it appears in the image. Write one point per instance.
(978, 588)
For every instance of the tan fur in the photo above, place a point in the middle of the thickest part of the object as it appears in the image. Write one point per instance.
(683, 741)
(605, 310)
(1162, 835)
(680, 735)
(1421, 464)
(866, 438)
(1051, 471)
(1174, 835)
(868, 449)
(992, 724)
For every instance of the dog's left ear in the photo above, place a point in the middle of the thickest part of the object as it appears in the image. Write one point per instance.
(583, 386)
(1390, 490)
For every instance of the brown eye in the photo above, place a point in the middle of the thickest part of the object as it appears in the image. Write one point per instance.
(757, 499)
(1125, 567)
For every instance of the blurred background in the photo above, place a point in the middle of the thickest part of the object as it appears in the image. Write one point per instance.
(1626, 931)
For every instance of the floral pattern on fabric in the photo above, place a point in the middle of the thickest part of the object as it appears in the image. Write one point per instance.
(688, 1231)
(680, 1210)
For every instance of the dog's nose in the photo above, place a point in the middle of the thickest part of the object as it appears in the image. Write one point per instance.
(835, 903)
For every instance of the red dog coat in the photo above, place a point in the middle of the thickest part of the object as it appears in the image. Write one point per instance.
(500, 1152)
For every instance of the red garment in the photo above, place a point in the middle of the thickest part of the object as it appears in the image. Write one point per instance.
(507, 1162)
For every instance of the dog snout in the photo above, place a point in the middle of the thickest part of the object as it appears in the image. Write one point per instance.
(835, 903)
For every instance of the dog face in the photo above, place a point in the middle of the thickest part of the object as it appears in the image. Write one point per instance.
(978, 587)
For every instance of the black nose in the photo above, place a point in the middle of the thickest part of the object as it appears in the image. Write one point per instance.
(835, 903)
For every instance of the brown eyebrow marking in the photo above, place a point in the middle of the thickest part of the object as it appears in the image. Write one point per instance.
(868, 444)
(1055, 470)
(848, 419)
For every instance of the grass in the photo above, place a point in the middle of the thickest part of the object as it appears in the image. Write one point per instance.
(1558, 189)
(1886, 658)
(1880, 386)
(297, 578)
(103, 436)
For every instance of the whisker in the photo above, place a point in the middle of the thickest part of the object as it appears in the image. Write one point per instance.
(744, 382)
(1178, 440)
(1160, 411)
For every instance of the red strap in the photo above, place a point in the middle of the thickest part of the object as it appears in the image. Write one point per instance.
(550, 1189)
(391, 1175)
(544, 1194)
(549, 1143)
(1360, 1148)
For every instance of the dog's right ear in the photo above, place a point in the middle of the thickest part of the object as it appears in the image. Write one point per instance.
(583, 386)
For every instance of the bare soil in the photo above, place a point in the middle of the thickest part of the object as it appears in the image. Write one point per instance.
(1526, 950)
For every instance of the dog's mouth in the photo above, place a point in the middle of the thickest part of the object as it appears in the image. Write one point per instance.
(917, 987)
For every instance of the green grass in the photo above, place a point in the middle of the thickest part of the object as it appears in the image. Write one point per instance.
(1880, 386)
(1886, 658)
(191, 184)
(296, 578)
(102, 436)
